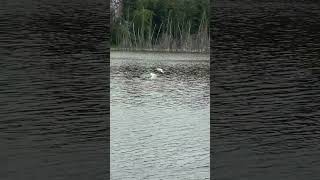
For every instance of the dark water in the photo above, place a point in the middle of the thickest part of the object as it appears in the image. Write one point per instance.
(265, 96)
(159, 127)
(53, 90)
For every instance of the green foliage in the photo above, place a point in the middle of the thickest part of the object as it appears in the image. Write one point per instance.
(162, 24)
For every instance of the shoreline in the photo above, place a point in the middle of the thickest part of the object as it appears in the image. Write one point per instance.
(159, 55)
(160, 50)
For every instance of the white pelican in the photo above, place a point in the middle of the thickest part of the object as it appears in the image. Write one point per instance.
(154, 75)
(160, 70)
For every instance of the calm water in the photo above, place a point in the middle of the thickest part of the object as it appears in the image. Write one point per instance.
(53, 95)
(266, 90)
(159, 127)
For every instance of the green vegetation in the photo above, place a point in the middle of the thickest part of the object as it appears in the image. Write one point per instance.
(162, 25)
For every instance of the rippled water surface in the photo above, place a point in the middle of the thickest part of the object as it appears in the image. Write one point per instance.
(159, 127)
(53, 95)
(265, 96)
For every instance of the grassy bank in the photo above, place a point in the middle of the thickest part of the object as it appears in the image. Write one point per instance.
(170, 26)
(158, 50)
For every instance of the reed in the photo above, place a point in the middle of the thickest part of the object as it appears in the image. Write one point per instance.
(174, 33)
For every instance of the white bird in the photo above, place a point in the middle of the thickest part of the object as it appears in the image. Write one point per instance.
(160, 70)
(153, 76)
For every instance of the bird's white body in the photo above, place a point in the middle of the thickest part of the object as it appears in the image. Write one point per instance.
(153, 76)
(160, 70)
(157, 72)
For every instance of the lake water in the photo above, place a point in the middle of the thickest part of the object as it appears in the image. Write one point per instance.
(160, 127)
(53, 90)
(266, 90)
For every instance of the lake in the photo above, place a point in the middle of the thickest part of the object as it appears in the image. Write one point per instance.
(160, 127)
(53, 90)
(265, 90)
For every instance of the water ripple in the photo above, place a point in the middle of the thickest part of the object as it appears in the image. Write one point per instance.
(264, 100)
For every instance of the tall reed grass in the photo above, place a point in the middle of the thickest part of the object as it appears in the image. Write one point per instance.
(168, 36)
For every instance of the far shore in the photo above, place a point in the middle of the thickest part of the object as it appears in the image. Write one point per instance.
(158, 55)
(159, 50)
